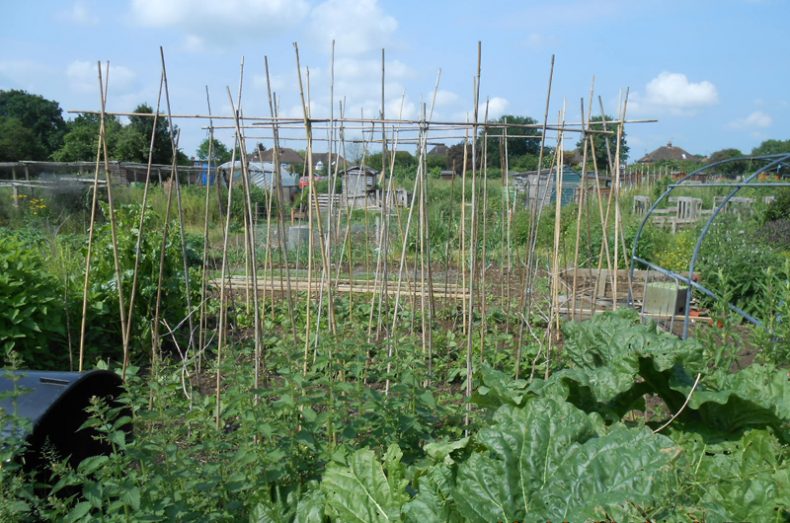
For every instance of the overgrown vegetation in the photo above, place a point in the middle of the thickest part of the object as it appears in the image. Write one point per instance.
(42, 284)
(589, 442)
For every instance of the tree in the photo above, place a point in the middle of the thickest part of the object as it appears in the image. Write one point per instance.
(43, 117)
(517, 142)
(182, 158)
(455, 157)
(772, 147)
(135, 138)
(132, 146)
(402, 159)
(600, 141)
(82, 139)
(353, 152)
(436, 161)
(219, 152)
(18, 142)
(729, 168)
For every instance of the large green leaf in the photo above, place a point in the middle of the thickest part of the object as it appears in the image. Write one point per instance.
(532, 441)
(605, 474)
(482, 495)
(745, 480)
(615, 360)
(311, 507)
(361, 492)
(618, 340)
(265, 513)
(434, 502)
(498, 389)
(756, 396)
(546, 462)
(440, 451)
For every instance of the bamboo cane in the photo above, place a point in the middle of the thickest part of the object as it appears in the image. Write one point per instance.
(472, 244)
(203, 320)
(279, 189)
(526, 299)
(143, 208)
(92, 223)
(182, 233)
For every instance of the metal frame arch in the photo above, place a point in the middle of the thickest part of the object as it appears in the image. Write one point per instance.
(704, 232)
(773, 160)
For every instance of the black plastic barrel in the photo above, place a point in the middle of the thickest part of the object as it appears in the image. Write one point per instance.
(54, 406)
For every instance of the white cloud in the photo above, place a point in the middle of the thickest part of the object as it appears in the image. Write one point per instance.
(755, 120)
(496, 107)
(220, 22)
(357, 26)
(402, 108)
(317, 110)
(194, 43)
(674, 93)
(83, 77)
(81, 14)
(359, 81)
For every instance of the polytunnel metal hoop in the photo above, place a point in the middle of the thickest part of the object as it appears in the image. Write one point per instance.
(774, 162)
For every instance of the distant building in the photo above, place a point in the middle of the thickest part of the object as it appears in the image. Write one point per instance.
(337, 161)
(360, 189)
(668, 152)
(535, 186)
(359, 180)
(284, 155)
(262, 175)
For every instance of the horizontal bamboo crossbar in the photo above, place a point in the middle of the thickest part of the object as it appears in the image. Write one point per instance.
(440, 291)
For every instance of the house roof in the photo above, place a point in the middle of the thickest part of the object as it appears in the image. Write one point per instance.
(667, 152)
(285, 155)
(323, 157)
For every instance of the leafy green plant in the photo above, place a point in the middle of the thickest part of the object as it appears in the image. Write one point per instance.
(104, 337)
(31, 304)
(729, 258)
(545, 461)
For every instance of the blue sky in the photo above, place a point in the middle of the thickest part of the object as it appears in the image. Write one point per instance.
(714, 73)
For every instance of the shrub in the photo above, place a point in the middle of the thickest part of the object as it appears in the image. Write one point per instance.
(31, 304)
(779, 209)
(731, 260)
